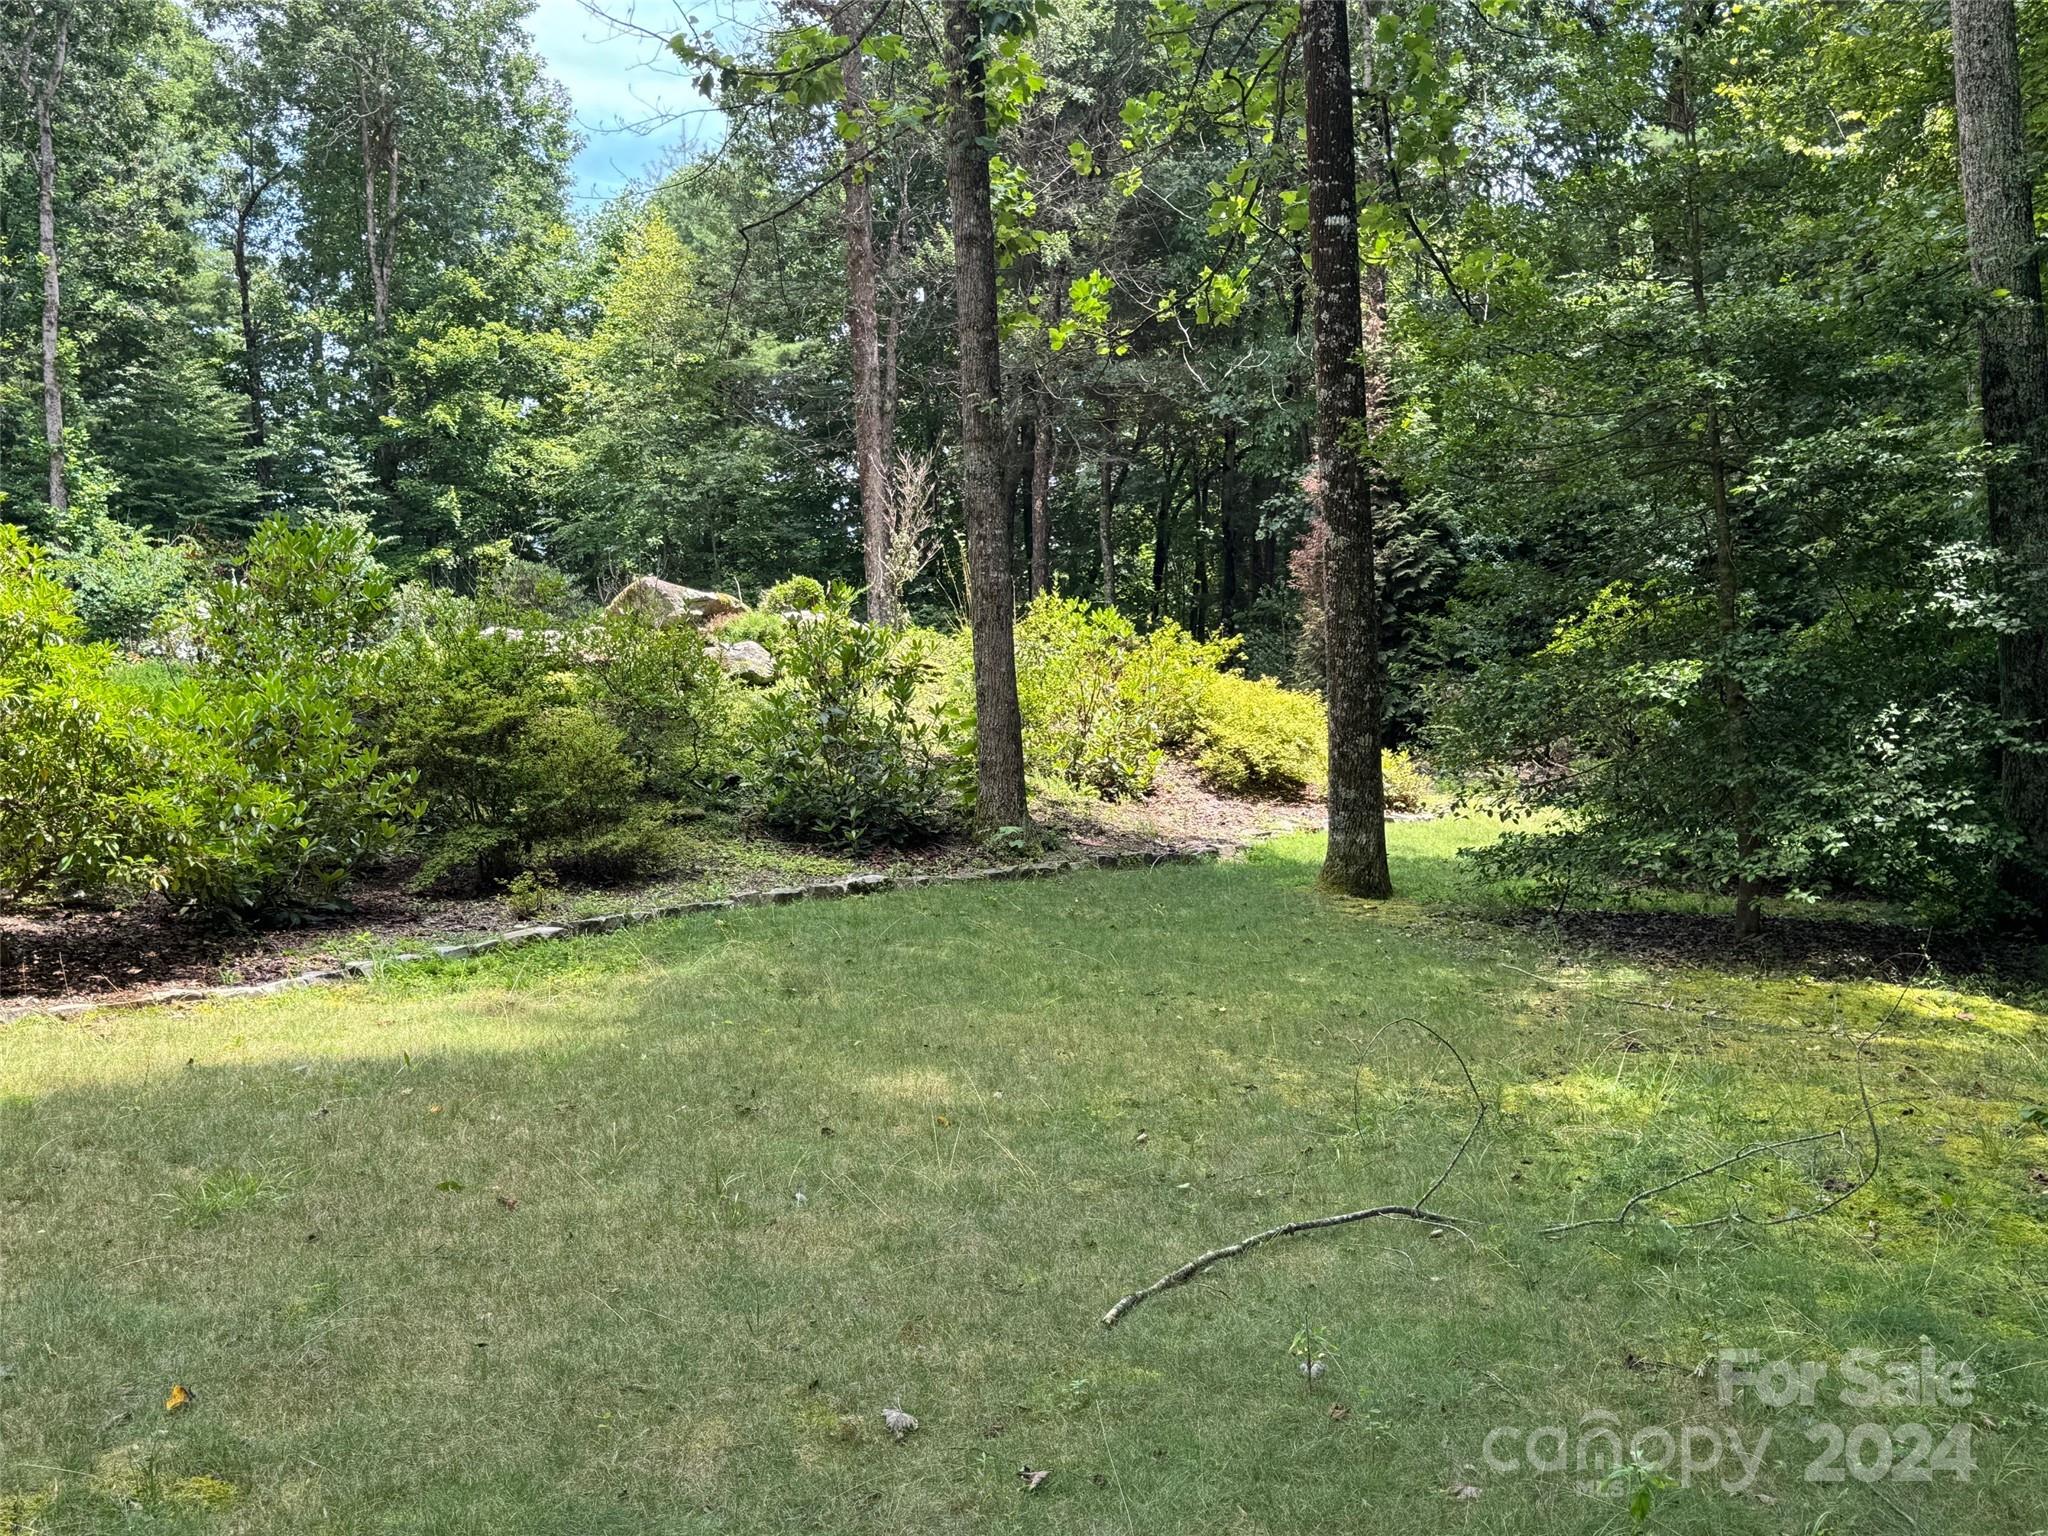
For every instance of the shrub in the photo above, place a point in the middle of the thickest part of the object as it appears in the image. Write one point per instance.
(234, 788)
(672, 703)
(1256, 737)
(1407, 786)
(1102, 703)
(576, 806)
(302, 595)
(514, 773)
(272, 796)
(72, 743)
(770, 630)
(267, 795)
(795, 594)
(840, 753)
(514, 590)
(124, 580)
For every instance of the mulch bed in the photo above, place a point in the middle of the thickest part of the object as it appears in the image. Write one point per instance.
(70, 952)
(62, 954)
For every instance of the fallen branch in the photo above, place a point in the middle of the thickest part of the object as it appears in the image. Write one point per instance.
(1417, 1211)
(1735, 1216)
(1755, 1149)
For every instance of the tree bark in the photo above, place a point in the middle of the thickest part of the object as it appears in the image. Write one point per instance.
(252, 362)
(1742, 796)
(1356, 863)
(1041, 495)
(1230, 535)
(1998, 211)
(1105, 529)
(863, 332)
(1111, 474)
(1162, 532)
(45, 96)
(998, 726)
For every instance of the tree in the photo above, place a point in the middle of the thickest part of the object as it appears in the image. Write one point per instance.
(41, 53)
(1356, 863)
(2012, 379)
(1760, 268)
(998, 723)
(871, 446)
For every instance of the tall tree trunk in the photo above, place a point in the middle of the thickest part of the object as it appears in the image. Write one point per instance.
(1230, 541)
(1356, 863)
(1111, 478)
(45, 94)
(252, 361)
(377, 132)
(1741, 770)
(998, 726)
(892, 326)
(1198, 599)
(1041, 495)
(1998, 209)
(863, 331)
(1105, 519)
(1162, 532)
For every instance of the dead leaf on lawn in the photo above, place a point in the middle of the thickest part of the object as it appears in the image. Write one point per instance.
(1031, 1477)
(898, 1422)
(510, 1202)
(1462, 1491)
(1339, 1412)
(181, 1396)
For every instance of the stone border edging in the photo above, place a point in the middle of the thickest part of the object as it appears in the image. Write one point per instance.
(513, 938)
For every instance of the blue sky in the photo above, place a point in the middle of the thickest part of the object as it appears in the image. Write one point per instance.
(617, 80)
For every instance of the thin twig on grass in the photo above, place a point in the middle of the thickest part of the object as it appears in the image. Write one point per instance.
(1415, 1211)
(1735, 1215)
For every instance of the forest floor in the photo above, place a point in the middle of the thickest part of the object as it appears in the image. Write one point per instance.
(644, 1232)
(111, 951)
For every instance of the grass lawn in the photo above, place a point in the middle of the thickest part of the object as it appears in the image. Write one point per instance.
(642, 1233)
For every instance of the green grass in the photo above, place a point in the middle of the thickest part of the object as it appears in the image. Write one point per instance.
(516, 1245)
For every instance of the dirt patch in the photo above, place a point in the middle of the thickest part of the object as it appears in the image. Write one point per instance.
(1182, 809)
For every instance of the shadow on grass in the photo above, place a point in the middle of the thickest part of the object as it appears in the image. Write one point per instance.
(536, 1257)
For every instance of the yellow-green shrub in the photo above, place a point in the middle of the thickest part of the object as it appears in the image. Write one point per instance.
(1407, 786)
(1103, 703)
(1255, 737)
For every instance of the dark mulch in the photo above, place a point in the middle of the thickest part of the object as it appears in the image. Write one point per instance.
(1806, 946)
(63, 953)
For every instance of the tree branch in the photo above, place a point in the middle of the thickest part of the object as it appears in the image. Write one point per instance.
(1417, 1211)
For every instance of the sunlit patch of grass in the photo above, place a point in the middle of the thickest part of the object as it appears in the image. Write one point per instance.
(222, 1192)
(531, 1254)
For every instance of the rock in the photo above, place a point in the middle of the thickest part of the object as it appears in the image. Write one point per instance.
(663, 602)
(745, 659)
(531, 935)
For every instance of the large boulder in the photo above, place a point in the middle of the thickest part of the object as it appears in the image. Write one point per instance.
(663, 602)
(746, 660)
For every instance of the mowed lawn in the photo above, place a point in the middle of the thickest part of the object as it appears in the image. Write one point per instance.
(642, 1233)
